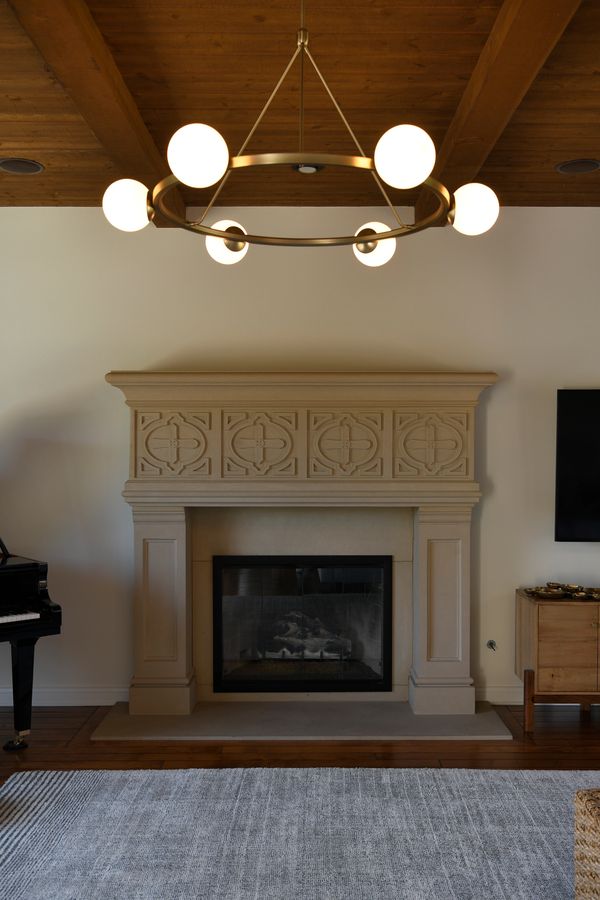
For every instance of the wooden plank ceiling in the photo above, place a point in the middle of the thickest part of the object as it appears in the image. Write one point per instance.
(506, 88)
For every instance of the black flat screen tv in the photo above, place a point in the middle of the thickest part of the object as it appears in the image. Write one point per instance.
(577, 509)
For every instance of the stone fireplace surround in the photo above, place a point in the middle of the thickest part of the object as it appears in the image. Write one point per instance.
(291, 440)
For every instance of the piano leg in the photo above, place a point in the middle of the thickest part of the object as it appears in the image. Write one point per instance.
(22, 679)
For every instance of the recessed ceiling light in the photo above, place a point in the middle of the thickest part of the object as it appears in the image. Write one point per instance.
(17, 165)
(578, 166)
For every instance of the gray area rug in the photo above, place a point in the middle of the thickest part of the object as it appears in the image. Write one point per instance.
(270, 834)
(300, 720)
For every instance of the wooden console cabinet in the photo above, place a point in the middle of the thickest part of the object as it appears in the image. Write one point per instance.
(557, 652)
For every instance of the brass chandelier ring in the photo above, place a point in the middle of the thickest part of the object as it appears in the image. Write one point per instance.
(297, 159)
(441, 215)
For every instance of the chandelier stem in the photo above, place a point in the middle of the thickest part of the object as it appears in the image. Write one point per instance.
(353, 136)
(301, 125)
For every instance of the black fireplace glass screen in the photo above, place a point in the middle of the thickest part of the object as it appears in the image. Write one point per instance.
(302, 623)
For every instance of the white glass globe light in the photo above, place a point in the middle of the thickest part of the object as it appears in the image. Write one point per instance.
(476, 208)
(125, 204)
(404, 156)
(218, 249)
(198, 155)
(375, 253)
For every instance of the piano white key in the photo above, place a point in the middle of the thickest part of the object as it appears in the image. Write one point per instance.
(19, 617)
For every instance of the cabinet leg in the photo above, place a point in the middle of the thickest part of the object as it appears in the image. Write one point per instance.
(528, 705)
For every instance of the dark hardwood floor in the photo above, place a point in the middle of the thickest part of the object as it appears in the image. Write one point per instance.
(563, 738)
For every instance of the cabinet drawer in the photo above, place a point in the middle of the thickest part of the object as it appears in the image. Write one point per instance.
(568, 636)
(564, 681)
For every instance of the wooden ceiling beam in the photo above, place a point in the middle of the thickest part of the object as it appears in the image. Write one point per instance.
(523, 36)
(71, 44)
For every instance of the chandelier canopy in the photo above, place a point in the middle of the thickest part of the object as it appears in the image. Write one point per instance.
(404, 158)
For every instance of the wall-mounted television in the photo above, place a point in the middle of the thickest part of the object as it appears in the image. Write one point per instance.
(577, 509)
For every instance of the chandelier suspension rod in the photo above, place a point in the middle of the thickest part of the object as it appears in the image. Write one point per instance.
(270, 100)
(352, 135)
(250, 134)
(213, 199)
(302, 40)
(301, 125)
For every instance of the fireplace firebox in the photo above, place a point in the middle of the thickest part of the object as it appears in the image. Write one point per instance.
(302, 623)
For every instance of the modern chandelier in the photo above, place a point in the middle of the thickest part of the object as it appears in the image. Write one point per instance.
(404, 158)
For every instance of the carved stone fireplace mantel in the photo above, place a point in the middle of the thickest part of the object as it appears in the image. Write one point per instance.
(300, 440)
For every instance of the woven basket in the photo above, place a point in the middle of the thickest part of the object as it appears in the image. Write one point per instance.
(587, 845)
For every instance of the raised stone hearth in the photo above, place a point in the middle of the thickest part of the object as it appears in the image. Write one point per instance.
(247, 440)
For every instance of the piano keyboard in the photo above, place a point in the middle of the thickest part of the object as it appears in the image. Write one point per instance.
(18, 616)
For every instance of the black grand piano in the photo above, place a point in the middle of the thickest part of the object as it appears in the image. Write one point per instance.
(26, 614)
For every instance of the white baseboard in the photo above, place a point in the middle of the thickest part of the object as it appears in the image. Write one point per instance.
(106, 695)
(90, 695)
(500, 693)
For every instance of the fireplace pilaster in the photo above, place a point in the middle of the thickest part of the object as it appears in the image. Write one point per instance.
(163, 677)
(440, 679)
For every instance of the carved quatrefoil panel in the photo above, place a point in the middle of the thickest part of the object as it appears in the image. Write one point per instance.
(173, 443)
(259, 443)
(346, 443)
(430, 444)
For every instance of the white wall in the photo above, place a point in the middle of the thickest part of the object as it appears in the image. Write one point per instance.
(78, 299)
